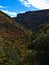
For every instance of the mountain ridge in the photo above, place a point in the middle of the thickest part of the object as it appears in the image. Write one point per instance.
(32, 19)
(20, 46)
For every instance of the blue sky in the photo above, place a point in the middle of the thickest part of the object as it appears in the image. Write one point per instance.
(13, 7)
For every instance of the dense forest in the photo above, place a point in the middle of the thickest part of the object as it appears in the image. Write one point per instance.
(22, 46)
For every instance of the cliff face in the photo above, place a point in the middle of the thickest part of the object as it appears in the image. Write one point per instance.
(33, 19)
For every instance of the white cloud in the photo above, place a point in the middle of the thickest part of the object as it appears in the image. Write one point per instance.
(12, 14)
(25, 3)
(40, 4)
(22, 11)
(2, 6)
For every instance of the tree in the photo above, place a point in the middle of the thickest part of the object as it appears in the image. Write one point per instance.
(40, 45)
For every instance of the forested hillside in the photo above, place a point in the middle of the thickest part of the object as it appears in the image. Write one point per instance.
(22, 46)
(40, 46)
(14, 39)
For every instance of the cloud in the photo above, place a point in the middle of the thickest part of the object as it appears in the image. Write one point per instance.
(12, 14)
(22, 11)
(25, 3)
(2, 6)
(40, 4)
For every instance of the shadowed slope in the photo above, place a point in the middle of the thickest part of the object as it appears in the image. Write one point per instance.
(33, 19)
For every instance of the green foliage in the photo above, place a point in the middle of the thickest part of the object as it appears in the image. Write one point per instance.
(9, 55)
(40, 45)
(19, 46)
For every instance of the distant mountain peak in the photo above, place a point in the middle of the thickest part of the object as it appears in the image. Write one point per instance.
(32, 19)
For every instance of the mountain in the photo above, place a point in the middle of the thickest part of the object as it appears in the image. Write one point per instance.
(14, 39)
(39, 46)
(10, 27)
(18, 44)
(33, 19)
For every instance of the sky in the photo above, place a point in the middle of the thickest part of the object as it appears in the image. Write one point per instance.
(13, 7)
